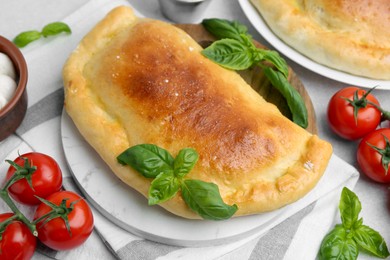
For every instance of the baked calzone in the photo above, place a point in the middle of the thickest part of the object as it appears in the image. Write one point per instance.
(140, 81)
(349, 35)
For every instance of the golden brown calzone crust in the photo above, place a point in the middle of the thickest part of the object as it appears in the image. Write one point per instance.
(133, 81)
(348, 35)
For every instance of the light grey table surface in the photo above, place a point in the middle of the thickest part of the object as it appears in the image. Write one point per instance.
(21, 15)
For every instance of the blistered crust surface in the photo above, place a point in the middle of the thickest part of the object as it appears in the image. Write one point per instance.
(349, 35)
(133, 81)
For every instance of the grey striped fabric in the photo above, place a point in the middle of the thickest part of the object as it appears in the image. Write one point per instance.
(145, 249)
(275, 243)
(47, 108)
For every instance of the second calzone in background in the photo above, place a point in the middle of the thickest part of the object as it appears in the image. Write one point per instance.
(348, 35)
(141, 81)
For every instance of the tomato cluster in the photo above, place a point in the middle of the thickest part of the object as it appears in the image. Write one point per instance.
(62, 219)
(354, 114)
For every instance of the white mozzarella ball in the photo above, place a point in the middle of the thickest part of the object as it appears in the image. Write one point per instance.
(7, 87)
(3, 102)
(6, 66)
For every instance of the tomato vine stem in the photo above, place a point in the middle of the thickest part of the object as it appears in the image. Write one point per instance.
(385, 114)
(19, 215)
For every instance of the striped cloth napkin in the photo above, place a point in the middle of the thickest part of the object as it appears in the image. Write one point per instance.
(295, 234)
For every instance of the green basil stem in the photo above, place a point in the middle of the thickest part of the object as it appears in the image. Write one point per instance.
(20, 216)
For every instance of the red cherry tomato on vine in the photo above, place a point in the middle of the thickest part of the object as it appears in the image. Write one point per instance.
(373, 155)
(17, 241)
(54, 233)
(46, 179)
(341, 113)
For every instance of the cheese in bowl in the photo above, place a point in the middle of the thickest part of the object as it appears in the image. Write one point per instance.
(134, 81)
(7, 79)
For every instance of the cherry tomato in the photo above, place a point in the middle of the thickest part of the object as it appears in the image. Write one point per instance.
(54, 233)
(373, 161)
(17, 241)
(46, 179)
(341, 115)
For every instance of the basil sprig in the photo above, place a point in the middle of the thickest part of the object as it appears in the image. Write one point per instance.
(51, 29)
(345, 240)
(235, 50)
(168, 178)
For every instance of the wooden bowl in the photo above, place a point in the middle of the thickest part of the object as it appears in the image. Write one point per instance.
(12, 114)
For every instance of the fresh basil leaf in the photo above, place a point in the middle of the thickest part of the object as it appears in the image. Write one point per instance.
(350, 208)
(185, 161)
(293, 98)
(55, 28)
(163, 187)
(370, 240)
(148, 159)
(276, 60)
(222, 28)
(230, 53)
(204, 198)
(25, 38)
(338, 245)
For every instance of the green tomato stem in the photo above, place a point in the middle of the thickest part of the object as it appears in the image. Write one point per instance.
(9, 183)
(12, 180)
(7, 221)
(385, 114)
(20, 216)
(50, 213)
